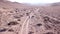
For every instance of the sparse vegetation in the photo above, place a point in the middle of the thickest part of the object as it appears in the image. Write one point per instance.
(12, 23)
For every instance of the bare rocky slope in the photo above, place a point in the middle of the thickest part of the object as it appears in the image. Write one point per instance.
(18, 18)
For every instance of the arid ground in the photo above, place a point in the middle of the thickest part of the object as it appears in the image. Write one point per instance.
(17, 18)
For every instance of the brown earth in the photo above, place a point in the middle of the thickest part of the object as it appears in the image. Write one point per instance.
(18, 18)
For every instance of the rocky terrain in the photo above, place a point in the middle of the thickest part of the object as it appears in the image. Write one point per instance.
(18, 18)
